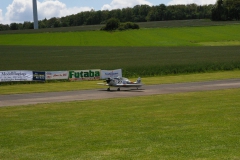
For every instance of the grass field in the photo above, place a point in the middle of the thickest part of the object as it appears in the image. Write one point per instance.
(183, 36)
(144, 52)
(135, 61)
(155, 24)
(203, 125)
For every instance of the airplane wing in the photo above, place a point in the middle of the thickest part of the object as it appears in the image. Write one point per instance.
(128, 85)
(104, 84)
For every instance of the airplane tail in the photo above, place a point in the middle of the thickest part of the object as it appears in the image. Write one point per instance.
(139, 80)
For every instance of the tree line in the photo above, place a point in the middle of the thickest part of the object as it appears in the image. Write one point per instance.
(139, 13)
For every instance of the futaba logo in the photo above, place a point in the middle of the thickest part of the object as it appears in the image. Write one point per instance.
(84, 74)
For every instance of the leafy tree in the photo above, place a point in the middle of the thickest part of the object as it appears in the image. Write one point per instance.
(27, 25)
(105, 15)
(127, 14)
(116, 13)
(218, 11)
(42, 23)
(57, 24)
(128, 25)
(136, 14)
(144, 10)
(112, 24)
(232, 8)
(161, 11)
(4, 27)
(14, 26)
(152, 15)
(51, 22)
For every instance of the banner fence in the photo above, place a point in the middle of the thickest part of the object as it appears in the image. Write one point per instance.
(56, 75)
(74, 75)
(16, 75)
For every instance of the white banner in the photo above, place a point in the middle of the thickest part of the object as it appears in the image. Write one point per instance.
(111, 73)
(16, 75)
(52, 75)
(81, 75)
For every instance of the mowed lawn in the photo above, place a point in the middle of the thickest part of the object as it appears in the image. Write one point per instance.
(183, 36)
(201, 125)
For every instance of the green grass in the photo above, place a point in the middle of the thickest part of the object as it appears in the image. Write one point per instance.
(202, 125)
(155, 24)
(144, 52)
(185, 36)
(83, 85)
(135, 61)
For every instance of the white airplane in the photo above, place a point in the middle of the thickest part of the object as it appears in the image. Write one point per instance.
(122, 82)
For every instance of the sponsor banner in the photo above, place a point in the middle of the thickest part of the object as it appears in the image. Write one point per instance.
(81, 75)
(55, 75)
(111, 73)
(16, 75)
(38, 76)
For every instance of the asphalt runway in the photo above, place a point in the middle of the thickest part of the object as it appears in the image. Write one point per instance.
(36, 98)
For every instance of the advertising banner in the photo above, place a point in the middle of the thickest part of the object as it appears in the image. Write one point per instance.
(56, 75)
(38, 76)
(16, 75)
(111, 73)
(81, 75)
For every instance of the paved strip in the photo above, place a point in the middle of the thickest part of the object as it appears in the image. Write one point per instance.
(36, 98)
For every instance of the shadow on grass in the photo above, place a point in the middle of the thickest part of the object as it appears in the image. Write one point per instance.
(123, 90)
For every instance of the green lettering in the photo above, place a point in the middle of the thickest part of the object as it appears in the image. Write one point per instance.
(86, 74)
(81, 74)
(97, 74)
(71, 73)
(91, 73)
(76, 74)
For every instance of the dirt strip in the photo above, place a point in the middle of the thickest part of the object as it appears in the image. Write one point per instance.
(49, 97)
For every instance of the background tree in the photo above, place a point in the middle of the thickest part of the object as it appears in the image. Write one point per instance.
(4, 27)
(232, 8)
(218, 11)
(112, 24)
(14, 26)
(27, 25)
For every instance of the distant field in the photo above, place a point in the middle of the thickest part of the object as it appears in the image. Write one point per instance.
(155, 24)
(150, 51)
(185, 23)
(135, 61)
(182, 36)
(203, 125)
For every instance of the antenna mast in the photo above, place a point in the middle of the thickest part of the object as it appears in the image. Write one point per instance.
(35, 14)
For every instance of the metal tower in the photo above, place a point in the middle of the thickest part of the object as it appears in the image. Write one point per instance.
(35, 14)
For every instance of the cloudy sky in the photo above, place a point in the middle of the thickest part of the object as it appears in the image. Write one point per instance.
(21, 10)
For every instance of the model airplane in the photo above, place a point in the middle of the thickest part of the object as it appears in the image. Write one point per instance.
(122, 82)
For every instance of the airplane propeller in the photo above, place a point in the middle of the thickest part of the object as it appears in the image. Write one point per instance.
(108, 80)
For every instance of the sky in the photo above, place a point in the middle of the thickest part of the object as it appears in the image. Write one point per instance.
(21, 10)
